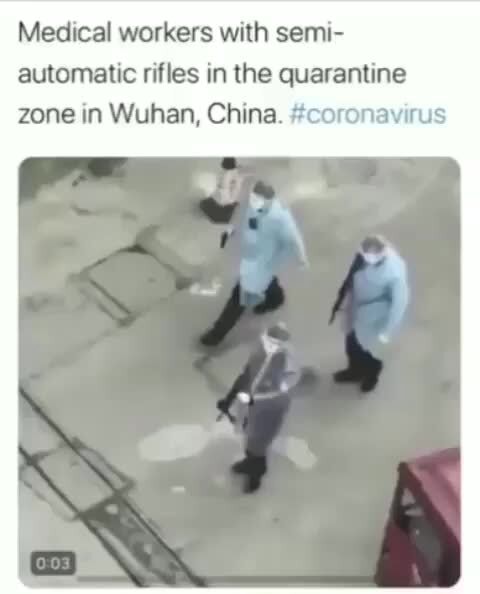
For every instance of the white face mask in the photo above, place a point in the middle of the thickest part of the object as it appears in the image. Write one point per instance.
(257, 202)
(372, 259)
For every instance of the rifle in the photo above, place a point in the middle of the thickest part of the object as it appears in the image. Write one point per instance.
(227, 414)
(239, 385)
(357, 264)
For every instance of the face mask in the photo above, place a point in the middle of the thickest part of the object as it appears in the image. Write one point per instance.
(372, 259)
(257, 203)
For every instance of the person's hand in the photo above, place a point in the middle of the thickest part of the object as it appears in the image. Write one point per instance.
(244, 397)
(384, 339)
(284, 387)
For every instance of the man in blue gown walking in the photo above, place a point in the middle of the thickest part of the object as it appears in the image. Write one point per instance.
(374, 298)
(269, 236)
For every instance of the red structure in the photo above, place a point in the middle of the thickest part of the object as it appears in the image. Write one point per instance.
(421, 546)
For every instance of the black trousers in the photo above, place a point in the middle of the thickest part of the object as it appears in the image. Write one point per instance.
(217, 213)
(360, 361)
(234, 310)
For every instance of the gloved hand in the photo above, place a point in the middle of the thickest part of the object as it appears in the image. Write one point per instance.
(383, 338)
(244, 397)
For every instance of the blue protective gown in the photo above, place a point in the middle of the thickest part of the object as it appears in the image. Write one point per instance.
(378, 301)
(263, 251)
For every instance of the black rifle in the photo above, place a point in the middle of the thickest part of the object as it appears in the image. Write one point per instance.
(357, 264)
(240, 385)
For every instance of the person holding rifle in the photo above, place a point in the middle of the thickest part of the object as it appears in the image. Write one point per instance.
(374, 299)
(262, 397)
(269, 238)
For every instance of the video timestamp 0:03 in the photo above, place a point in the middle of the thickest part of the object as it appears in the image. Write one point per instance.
(53, 563)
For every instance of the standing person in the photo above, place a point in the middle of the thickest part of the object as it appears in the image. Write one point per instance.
(269, 236)
(377, 295)
(219, 207)
(262, 394)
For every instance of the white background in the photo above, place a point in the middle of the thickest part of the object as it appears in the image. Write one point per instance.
(437, 42)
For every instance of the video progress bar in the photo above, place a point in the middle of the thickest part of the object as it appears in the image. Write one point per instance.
(266, 581)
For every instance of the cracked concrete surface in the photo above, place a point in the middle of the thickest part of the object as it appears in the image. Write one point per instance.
(116, 386)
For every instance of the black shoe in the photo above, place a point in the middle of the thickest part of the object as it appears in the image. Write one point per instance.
(240, 467)
(252, 484)
(269, 306)
(370, 382)
(210, 339)
(368, 385)
(346, 376)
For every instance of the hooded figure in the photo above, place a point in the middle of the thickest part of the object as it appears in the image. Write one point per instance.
(262, 397)
(375, 295)
(219, 207)
(269, 236)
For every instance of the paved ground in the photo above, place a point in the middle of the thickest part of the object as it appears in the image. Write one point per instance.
(109, 353)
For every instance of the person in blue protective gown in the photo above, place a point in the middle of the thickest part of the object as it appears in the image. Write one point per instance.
(269, 236)
(374, 299)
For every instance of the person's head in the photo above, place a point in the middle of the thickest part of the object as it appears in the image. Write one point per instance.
(373, 249)
(261, 197)
(229, 163)
(275, 337)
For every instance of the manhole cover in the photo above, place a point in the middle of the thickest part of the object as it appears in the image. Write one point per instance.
(133, 280)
